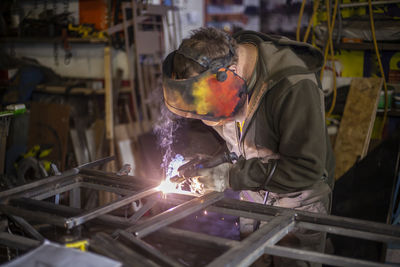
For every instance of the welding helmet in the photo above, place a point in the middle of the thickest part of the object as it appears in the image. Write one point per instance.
(215, 94)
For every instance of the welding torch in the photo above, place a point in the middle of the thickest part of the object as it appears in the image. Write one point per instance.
(190, 168)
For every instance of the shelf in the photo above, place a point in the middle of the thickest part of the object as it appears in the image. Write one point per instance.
(368, 46)
(52, 40)
(50, 89)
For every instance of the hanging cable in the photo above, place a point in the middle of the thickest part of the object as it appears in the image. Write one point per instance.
(371, 18)
(315, 9)
(329, 48)
(303, 4)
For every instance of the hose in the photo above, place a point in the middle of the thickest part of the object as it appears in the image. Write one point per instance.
(315, 9)
(329, 48)
(371, 17)
(303, 4)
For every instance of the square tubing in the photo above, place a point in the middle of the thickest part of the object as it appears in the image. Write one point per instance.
(34, 215)
(107, 246)
(164, 259)
(346, 232)
(53, 192)
(64, 211)
(320, 257)
(18, 242)
(174, 214)
(27, 227)
(89, 215)
(253, 246)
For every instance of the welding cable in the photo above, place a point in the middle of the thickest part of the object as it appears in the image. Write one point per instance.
(329, 47)
(303, 4)
(371, 18)
(315, 9)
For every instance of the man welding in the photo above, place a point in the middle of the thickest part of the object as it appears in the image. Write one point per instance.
(262, 95)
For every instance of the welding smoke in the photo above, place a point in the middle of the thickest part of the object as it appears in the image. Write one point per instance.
(165, 128)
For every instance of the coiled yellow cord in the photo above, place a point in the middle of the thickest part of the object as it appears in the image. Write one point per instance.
(371, 17)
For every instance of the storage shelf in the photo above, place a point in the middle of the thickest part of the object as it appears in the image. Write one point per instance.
(51, 89)
(368, 46)
(52, 40)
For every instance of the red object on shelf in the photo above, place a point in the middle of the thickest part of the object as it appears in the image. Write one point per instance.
(93, 12)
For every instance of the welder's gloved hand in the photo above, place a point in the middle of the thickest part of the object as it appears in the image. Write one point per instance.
(214, 179)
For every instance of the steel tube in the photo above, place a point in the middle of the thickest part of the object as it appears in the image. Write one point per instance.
(27, 227)
(320, 257)
(53, 192)
(315, 218)
(151, 201)
(112, 189)
(34, 215)
(346, 232)
(195, 238)
(18, 242)
(51, 179)
(253, 246)
(64, 211)
(105, 245)
(88, 215)
(163, 259)
(174, 214)
(241, 213)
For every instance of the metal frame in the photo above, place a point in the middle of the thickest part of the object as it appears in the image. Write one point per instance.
(128, 243)
(129, 189)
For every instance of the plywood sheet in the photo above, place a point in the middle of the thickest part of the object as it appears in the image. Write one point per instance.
(357, 122)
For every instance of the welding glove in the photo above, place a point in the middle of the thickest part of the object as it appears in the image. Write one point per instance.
(214, 179)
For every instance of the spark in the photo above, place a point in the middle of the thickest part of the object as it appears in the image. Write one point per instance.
(205, 212)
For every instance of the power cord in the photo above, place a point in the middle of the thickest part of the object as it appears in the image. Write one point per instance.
(371, 18)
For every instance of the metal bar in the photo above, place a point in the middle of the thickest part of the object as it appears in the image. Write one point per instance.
(253, 246)
(374, 3)
(123, 180)
(320, 257)
(174, 214)
(112, 189)
(27, 227)
(346, 232)
(75, 198)
(64, 211)
(315, 218)
(53, 192)
(18, 242)
(159, 257)
(348, 223)
(241, 213)
(88, 215)
(105, 245)
(96, 163)
(51, 179)
(195, 238)
(145, 208)
(34, 215)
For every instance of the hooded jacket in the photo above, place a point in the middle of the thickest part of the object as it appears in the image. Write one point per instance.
(285, 120)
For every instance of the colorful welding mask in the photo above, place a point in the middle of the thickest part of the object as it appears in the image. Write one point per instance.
(215, 94)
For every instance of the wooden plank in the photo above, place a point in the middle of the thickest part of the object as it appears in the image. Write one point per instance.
(357, 122)
(107, 197)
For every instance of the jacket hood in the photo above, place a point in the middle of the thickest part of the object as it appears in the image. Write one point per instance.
(281, 56)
